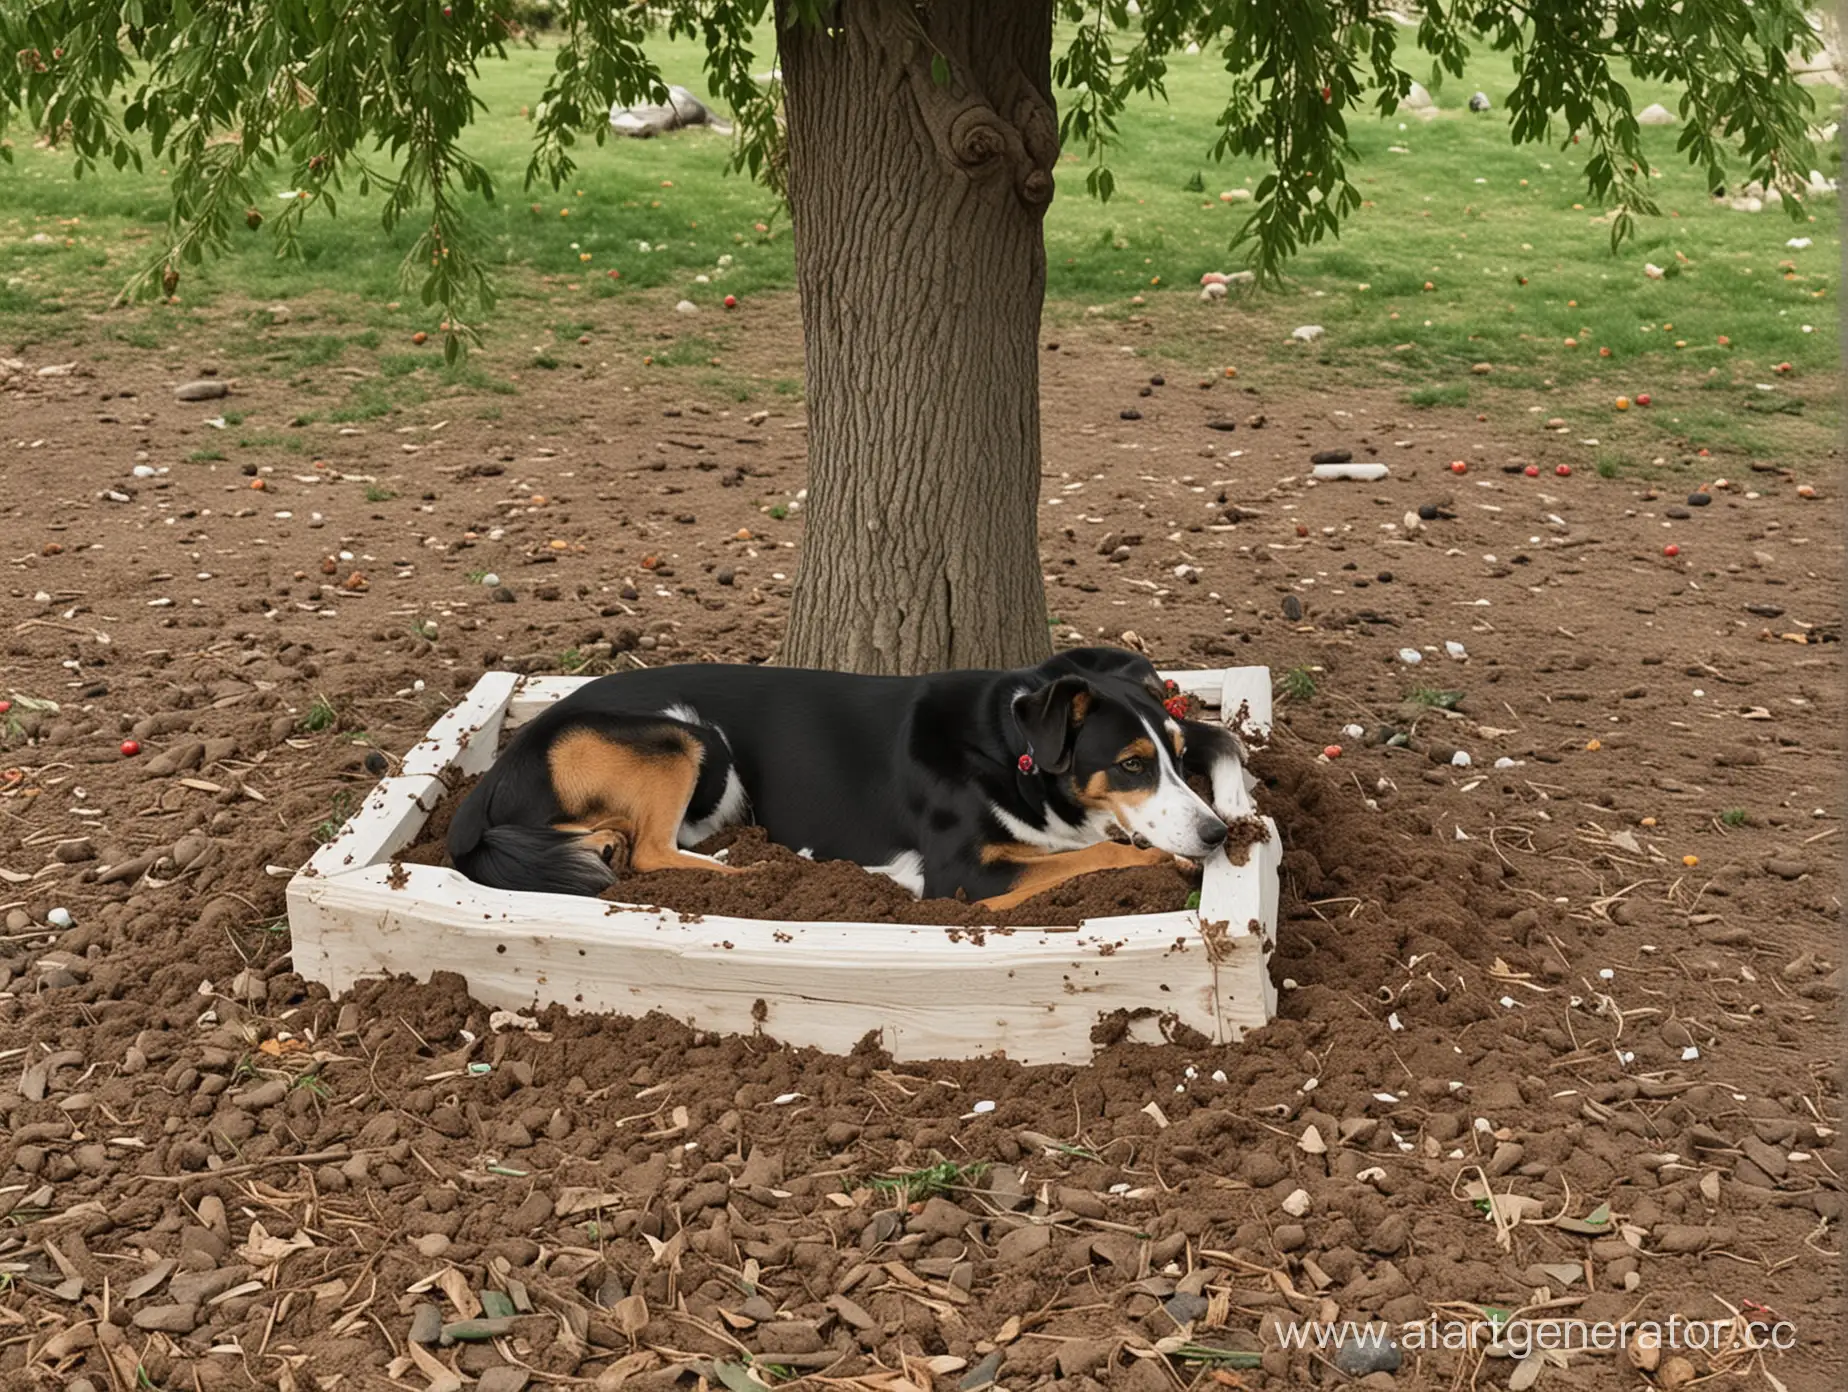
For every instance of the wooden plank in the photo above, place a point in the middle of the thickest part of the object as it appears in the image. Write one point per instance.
(534, 694)
(1249, 687)
(931, 992)
(390, 818)
(468, 736)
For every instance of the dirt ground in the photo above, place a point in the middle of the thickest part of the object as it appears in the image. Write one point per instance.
(1594, 968)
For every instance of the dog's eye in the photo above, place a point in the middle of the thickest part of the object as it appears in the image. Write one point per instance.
(1131, 766)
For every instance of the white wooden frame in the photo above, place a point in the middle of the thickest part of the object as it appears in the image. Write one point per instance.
(1034, 994)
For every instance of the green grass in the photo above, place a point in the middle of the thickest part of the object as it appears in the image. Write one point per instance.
(1734, 817)
(378, 493)
(1432, 697)
(1446, 394)
(1516, 267)
(321, 715)
(915, 1186)
(1297, 684)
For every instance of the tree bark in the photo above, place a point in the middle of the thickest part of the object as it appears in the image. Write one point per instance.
(921, 144)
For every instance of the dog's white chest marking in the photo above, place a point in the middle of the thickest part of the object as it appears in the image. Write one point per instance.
(1058, 834)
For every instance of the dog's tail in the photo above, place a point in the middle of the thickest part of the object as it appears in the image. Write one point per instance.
(542, 860)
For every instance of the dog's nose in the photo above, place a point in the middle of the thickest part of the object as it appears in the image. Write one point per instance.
(1213, 834)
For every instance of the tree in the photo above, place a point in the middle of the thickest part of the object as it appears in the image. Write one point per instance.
(921, 138)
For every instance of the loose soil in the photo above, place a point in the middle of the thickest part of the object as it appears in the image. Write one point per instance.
(1597, 967)
(790, 887)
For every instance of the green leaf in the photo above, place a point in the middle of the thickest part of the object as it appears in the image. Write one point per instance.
(737, 1377)
(939, 70)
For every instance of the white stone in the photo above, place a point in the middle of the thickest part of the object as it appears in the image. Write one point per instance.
(686, 307)
(1297, 1204)
(1655, 114)
(1418, 99)
(59, 918)
(1307, 333)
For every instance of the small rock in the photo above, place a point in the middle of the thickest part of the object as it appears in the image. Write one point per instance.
(1307, 333)
(1699, 500)
(1184, 1309)
(1370, 1351)
(503, 1379)
(426, 1324)
(1292, 608)
(1023, 1244)
(1290, 1237)
(1333, 456)
(1786, 869)
(202, 391)
(168, 1319)
(982, 1375)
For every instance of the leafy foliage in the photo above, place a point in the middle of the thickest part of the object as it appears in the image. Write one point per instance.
(237, 96)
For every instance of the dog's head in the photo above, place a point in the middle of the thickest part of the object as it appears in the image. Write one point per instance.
(1095, 723)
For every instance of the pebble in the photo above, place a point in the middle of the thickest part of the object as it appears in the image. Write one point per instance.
(503, 1379)
(202, 391)
(1185, 1308)
(983, 1374)
(168, 1319)
(1411, 657)
(1369, 1352)
(426, 1324)
(1292, 608)
(1428, 512)
(1130, 414)
(490, 580)
(60, 918)
(1699, 499)
(1334, 456)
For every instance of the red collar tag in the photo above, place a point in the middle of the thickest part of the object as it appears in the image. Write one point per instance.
(1025, 763)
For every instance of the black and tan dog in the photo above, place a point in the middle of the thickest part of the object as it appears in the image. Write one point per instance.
(997, 785)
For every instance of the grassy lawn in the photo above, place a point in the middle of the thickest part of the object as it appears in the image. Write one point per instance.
(1514, 264)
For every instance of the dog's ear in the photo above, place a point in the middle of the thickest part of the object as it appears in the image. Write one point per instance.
(1049, 716)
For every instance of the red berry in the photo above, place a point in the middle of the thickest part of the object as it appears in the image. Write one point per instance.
(731, 301)
(1564, 471)
(1671, 550)
(5, 706)
(1532, 471)
(131, 748)
(1642, 398)
(1331, 751)
(1457, 466)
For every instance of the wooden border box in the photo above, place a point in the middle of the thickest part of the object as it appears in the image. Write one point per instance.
(1033, 994)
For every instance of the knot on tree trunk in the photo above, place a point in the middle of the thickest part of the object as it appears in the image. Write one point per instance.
(970, 131)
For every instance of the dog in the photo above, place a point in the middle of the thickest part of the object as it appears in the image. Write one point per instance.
(990, 785)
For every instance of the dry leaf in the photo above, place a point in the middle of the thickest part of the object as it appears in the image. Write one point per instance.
(631, 1314)
(624, 1368)
(441, 1378)
(455, 1285)
(575, 1199)
(260, 1249)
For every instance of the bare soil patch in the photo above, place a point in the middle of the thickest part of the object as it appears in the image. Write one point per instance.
(1604, 973)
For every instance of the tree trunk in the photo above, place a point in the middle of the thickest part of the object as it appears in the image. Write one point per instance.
(921, 145)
